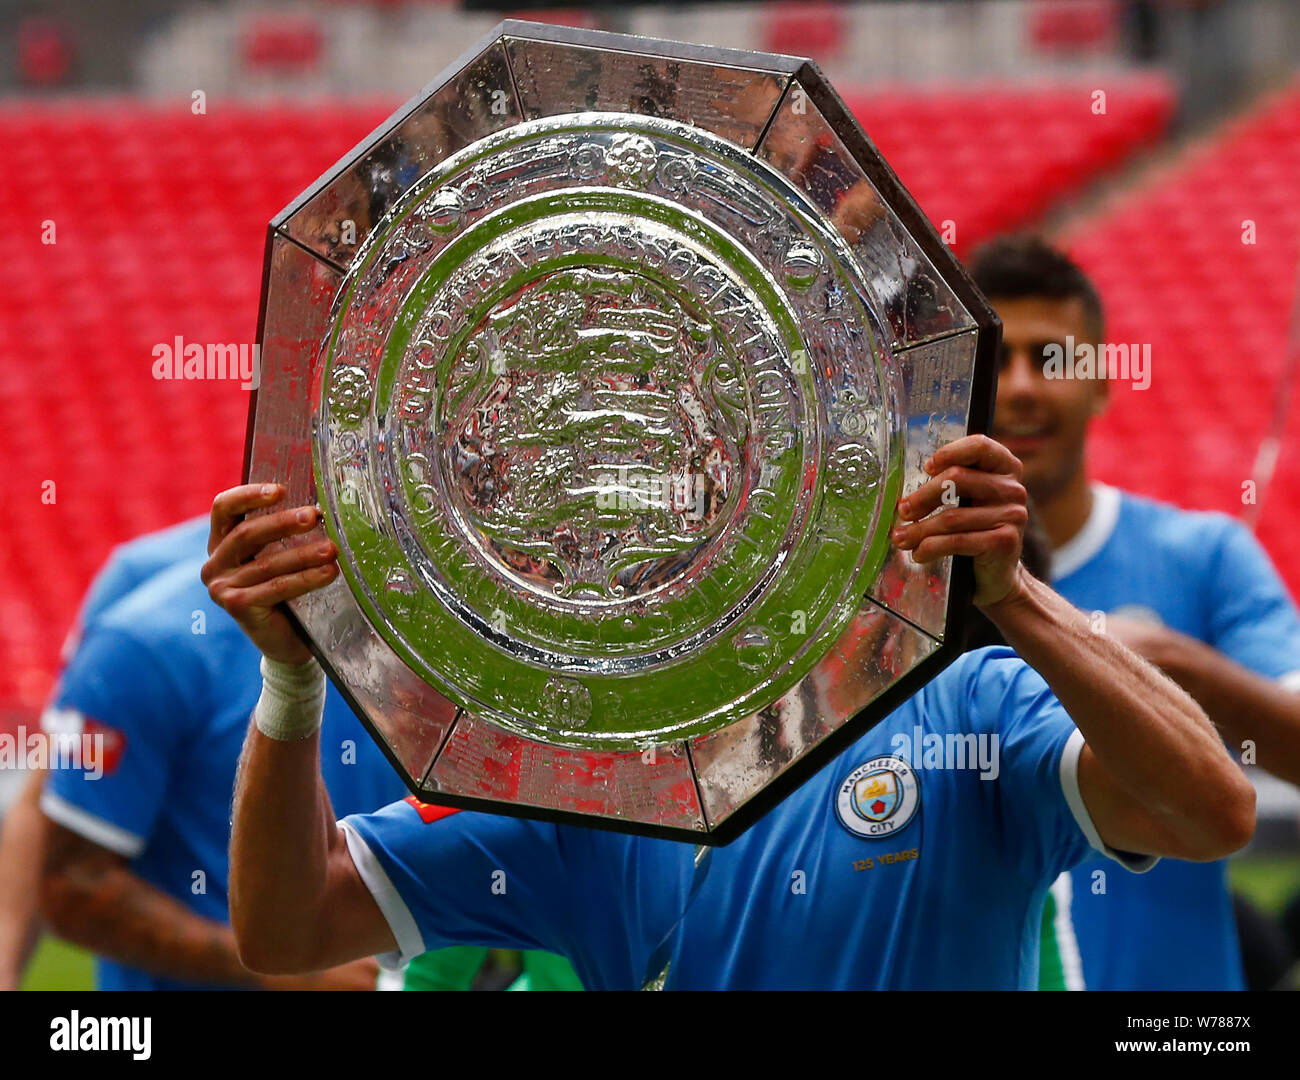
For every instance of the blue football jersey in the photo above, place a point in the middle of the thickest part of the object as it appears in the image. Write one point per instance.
(894, 867)
(134, 562)
(1204, 575)
(168, 681)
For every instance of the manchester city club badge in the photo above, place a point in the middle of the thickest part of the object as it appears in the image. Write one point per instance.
(878, 798)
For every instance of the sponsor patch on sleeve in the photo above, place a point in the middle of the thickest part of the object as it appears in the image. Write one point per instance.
(82, 742)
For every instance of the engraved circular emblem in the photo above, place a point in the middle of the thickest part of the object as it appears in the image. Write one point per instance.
(349, 395)
(580, 441)
(879, 798)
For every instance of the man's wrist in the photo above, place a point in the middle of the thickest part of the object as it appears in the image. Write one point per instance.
(292, 704)
(1017, 594)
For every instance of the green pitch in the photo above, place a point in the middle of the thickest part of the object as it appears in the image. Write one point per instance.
(57, 965)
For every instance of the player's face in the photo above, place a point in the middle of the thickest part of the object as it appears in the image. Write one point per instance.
(1043, 421)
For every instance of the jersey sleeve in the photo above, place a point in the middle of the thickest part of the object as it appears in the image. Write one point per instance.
(118, 719)
(117, 578)
(446, 879)
(1252, 617)
(1036, 792)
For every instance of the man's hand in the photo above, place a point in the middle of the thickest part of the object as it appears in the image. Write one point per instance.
(1152, 641)
(248, 579)
(991, 528)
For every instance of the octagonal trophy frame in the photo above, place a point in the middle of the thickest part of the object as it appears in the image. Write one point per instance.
(931, 333)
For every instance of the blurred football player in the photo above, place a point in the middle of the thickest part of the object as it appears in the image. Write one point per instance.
(136, 867)
(22, 840)
(1193, 593)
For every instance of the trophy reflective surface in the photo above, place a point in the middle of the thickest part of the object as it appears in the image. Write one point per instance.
(607, 360)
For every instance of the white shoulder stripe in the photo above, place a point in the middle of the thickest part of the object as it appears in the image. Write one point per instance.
(92, 828)
(1139, 864)
(1080, 548)
(406, 932)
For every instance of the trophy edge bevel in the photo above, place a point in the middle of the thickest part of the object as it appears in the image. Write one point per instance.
(900, 200)
(409, 781)
(988, 327)
(376, 135)
(250, 424)
(665, 48)
(532, 812)
(804, 768)
(772, 63)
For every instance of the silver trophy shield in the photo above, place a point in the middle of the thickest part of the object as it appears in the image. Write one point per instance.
(607, 360)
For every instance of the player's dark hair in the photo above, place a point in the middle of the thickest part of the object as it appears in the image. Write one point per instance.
(1025, 266)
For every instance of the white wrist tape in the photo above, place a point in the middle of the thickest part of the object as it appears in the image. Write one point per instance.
(292, 702)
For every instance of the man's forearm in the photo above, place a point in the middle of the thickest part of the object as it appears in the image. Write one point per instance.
(22, 854)
(282, 831)
(1147, 733)
(104, 907)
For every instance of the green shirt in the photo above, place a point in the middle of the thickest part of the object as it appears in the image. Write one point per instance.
(455, 969)
(1059, 965)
